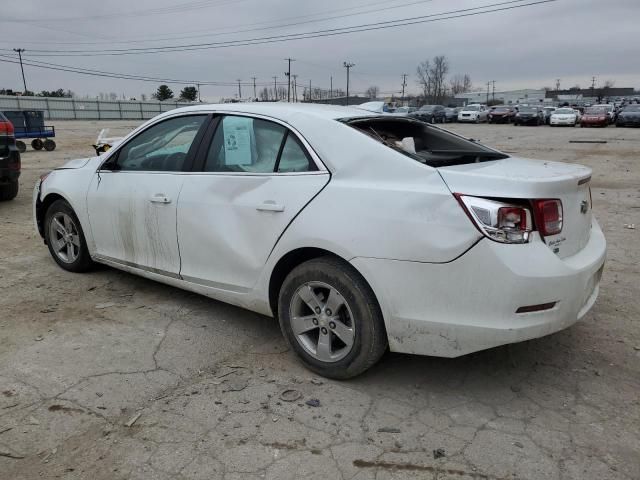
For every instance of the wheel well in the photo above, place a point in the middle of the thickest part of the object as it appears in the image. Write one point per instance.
(287, 263)
(42, 207)
(290, 261)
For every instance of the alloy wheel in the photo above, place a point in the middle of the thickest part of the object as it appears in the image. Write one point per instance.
(64, 237)
(322, 321)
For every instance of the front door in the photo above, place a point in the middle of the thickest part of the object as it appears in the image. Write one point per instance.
(256, 176)
(132, 199)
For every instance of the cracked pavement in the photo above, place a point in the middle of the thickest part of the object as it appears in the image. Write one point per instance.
(200, 382)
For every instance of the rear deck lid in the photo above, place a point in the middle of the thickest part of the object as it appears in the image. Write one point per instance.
(520, 178)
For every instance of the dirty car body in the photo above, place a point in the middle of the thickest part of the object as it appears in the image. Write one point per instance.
(460, 247)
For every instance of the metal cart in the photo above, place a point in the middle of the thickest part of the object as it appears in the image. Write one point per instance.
(30, 124)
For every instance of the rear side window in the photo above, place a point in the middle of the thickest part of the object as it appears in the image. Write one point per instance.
(253, 145)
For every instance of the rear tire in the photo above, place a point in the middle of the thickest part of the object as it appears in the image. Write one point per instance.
(49, 145)
(9, 191)
(37, 144)
(65, 238)
(21, 146)
(325, 283)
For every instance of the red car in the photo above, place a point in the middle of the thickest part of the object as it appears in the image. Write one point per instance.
(594, 117)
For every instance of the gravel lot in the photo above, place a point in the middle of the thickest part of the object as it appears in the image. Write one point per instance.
(199, 382)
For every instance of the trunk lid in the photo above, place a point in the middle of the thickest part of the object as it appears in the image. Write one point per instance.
(520, 178)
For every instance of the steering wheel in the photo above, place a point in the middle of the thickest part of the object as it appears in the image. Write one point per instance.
(174, 161)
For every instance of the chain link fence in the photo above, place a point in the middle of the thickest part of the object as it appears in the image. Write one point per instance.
(74, 109)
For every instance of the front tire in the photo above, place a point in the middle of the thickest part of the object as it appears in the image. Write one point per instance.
(331, 318)
(65, 238)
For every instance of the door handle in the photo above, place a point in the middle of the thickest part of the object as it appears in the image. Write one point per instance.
(160, 198)
(270, 206)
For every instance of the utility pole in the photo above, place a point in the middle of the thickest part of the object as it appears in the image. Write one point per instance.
(488, 85)
(198, 85)
(295, 88)
(310, 97)
(593, 86)
(20, 50)
(275, 88)
(331, 87)
(557, 84)
(348, 66)
(288, 75)
(239, 90)
(404, 84)
(494, 89)
(255, 95)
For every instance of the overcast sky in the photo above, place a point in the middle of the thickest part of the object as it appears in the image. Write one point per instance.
(521, 48)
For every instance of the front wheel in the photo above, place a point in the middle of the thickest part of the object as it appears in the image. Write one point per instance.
(65, 238)
(331, 318)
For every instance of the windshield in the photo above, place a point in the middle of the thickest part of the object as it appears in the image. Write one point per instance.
(595, 111)
(632, 108)
(501, 109)
(528, 110)
(565, 111)
(424, 143)
(472, 108)
(427, 108)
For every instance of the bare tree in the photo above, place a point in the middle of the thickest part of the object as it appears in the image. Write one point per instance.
(460, 84)
(609, 83)
(372, 91)
(439, 72)
(423, 73)
(432, 77)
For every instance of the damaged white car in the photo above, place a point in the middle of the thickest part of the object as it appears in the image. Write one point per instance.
(358, 231)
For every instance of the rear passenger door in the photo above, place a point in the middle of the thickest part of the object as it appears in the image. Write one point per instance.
(253, 177)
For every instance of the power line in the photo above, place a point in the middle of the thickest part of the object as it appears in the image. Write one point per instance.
(101, 73)
(468, 12)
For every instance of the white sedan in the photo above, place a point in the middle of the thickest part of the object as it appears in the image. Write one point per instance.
(473, 113)
(358, 231)
(564, 116)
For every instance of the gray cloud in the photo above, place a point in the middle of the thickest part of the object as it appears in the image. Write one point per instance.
(527, 47)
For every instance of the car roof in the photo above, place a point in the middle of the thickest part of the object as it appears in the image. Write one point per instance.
(280, 110)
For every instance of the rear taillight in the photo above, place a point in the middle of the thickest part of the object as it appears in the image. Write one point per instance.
(6, 128)
(548, 214)
(499, 221)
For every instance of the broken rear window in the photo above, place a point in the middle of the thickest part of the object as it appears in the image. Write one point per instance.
(422, 142)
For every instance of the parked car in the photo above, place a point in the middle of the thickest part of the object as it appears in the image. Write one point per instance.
(339, 222)
(501, 114)
(375, 106)
(595, 117)
(405, 110)
(548, 111)
(609, 109)
(430, 114)
(529, 116)
(451, 115)
(9, 161)
(473, 113)
(629, 116)
(564, 116)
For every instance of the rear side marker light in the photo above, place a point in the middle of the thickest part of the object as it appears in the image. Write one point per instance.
(536, 308)
(548, 214)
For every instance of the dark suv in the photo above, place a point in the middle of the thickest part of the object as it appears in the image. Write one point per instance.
(9, 160)
(430, 113)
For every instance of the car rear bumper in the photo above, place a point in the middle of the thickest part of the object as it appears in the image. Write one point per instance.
(469, 304)
(10, 167)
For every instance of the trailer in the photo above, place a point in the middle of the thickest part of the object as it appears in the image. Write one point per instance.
(30, 124)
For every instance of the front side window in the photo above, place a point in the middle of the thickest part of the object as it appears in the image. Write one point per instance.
(162, 147)
(253, 145)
